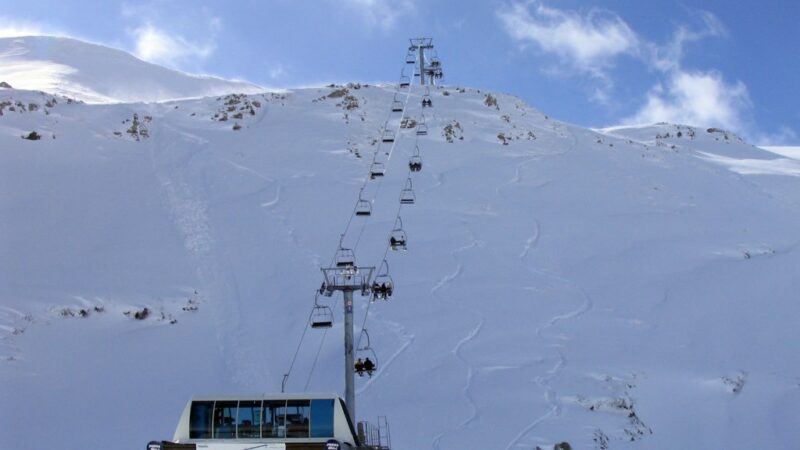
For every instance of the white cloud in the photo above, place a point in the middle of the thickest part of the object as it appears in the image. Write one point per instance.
(785, 135)
(382, 14)
(277, 72)
(588, 42)
(696, 98)
(668, 57)
(158, 46)
(10, 27)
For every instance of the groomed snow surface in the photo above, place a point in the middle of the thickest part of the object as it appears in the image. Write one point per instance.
(611, 290)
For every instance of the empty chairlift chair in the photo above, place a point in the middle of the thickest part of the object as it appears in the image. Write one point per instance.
(363, 207)
(366, 359)
(346, 265)
(422, 127)
(398, 238)
(382, 285)
(388, 135)
(345, 258)
(397, 105)
(321, 315)
(376, 170)
(415, 162)
(411, 57)
(407, 196)
(405, 80)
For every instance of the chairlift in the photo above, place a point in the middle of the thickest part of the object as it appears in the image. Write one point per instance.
(415, 162)
(422, 128)
(345, 258)
(398, 238)
(397, 105)
(376, 170)
(363, 207)
(382, 285)
(405, 80)
(426, 101)
(321, 315)
(411, 57)
(366, 358)
(388, 136)
(407, 194)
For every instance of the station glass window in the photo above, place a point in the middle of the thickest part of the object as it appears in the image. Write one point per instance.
(200, 420)
(322, 418)
(274, 418)
(248, 422)
(298, 413)
(225, 420)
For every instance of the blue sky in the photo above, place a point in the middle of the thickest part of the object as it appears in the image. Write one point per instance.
(593, 63)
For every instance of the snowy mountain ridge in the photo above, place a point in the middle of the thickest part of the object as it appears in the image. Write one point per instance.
(626, 289)
(98, 74)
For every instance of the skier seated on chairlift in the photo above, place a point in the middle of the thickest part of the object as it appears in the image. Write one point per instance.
(382, 290)
(360, 366)
(369, 366)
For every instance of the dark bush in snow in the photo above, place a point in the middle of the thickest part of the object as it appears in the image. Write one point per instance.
(32, 136)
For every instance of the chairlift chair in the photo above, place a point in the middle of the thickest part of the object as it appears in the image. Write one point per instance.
(345, 258)
(388, 136)
(398, 238)
(376, 170)
(363, 207)
(422, 129)
(382, 285)
(415, 162)
(426, 101)
(321, 315)
(365, 353)
(411, 57)
(397, 105)
(407, 194)
(405, 80)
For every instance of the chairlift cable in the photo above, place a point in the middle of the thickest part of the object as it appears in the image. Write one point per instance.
(397, 134)
(316, 358)
(299, 344)
(380, 182)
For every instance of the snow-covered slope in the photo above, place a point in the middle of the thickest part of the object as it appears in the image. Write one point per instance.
(98, 74)
(612, 290)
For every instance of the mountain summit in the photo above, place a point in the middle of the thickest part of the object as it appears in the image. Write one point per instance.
(97, 74)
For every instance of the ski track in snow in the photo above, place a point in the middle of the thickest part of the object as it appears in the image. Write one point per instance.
(470, 372)
(247, 169)
(530, 243)
(473, 333)
(274, 201)
(544, 381)
(189, 212)
(12, 324)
